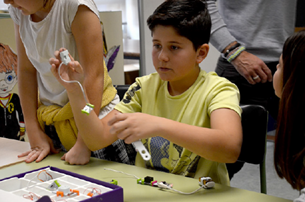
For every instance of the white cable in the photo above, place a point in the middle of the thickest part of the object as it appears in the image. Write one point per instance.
(117, 171)
(74, 81)
(162, 187)
(36, 176)
(180, 192)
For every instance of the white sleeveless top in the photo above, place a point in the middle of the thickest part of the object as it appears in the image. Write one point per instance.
(42, 38)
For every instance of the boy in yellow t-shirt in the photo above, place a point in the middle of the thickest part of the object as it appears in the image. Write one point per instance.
(189, 120)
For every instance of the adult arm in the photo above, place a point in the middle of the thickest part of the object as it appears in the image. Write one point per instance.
(247, 64)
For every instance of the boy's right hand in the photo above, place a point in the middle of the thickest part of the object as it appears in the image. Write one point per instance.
(40, 148)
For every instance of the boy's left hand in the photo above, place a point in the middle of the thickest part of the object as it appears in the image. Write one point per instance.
(131, 127)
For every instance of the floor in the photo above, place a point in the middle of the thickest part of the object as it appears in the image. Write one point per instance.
(248, 177)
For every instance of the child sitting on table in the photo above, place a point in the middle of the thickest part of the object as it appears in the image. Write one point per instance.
(288, 83)
(189, 120)
(42, 26)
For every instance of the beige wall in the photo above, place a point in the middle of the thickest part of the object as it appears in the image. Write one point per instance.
(7, 35)
(114, 36)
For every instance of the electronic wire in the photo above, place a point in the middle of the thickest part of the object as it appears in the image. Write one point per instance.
(167, 187)
(74, 81)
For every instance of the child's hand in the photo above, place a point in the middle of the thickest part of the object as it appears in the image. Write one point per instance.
(134, 126)
(71, 72)
(77, 155)
(40, 148)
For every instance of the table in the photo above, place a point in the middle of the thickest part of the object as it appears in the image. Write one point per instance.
(143, 193)
(4, 15)
(131, 49)
(131, 52)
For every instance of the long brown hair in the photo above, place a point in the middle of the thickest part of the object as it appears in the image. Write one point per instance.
(289, 152)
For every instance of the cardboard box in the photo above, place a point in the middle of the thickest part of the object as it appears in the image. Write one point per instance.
(38, 183)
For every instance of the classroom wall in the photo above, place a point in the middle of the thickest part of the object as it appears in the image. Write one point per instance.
(112, 21)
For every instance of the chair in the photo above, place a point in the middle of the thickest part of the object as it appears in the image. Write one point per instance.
(121, 90)
(254, 124)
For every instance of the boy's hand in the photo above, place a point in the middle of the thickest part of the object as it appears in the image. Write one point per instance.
(40, 148)
(77, 155)
(133, 126)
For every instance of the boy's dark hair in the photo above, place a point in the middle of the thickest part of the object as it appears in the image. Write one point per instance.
(190, 18)
(289, 151)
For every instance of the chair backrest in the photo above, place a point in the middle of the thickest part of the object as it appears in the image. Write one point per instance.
(121, 90)
(254, 124)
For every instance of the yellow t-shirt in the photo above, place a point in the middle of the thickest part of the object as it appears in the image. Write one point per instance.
(149, 94)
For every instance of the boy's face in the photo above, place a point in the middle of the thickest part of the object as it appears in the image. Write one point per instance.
(278, 78)
(174, 56)
(7, 82)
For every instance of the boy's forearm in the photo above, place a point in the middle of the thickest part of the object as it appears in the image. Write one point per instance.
(211, 144)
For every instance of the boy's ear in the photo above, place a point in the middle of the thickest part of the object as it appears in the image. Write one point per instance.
(202, 52)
